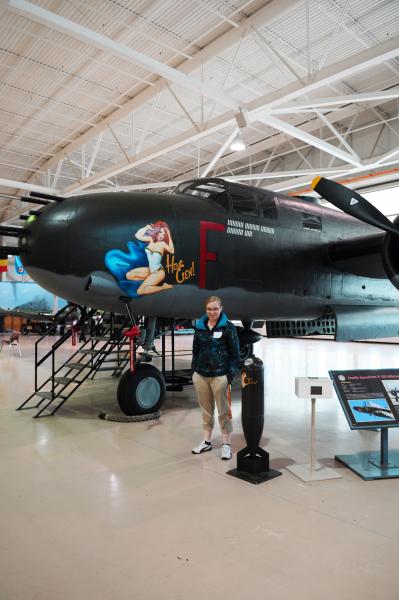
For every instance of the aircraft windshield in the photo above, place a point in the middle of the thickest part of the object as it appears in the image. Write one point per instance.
(211, 190)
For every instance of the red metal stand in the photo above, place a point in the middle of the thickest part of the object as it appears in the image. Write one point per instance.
(132, 333)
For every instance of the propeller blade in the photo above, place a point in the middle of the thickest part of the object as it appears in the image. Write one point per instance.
(352, 204)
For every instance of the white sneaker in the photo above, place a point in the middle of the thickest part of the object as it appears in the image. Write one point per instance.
(226, 452)
(202, 447)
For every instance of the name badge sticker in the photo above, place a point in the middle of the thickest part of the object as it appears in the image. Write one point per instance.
(217, 334)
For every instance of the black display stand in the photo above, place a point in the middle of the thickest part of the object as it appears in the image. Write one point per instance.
(373, 465)
(370, 400)
(253, 461)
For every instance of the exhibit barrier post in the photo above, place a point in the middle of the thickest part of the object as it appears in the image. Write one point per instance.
(313, 435)
(384, 447)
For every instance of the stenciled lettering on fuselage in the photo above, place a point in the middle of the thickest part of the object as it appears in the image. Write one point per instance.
(233, 227)
(246, 229)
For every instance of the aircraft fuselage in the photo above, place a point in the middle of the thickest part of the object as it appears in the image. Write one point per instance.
(265, 266)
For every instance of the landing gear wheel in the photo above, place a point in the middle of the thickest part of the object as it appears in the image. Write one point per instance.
(141, 392)
(246, 351)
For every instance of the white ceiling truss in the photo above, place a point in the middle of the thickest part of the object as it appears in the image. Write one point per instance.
(108, 95)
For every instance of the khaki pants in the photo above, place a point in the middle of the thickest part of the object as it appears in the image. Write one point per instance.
(211, 391)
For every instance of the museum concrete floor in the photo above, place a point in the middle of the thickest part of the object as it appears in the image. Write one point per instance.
(91, 509)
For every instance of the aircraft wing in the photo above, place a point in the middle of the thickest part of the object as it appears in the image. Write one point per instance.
(33, 316)
(360, 256)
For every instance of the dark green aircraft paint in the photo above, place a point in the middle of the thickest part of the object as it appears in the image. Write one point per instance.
(269, 256)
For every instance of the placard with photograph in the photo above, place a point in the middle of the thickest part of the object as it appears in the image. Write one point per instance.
(369, 398)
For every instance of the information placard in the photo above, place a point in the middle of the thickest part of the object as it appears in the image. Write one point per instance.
(369, 398)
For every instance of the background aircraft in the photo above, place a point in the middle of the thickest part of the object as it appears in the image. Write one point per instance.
(301, 267)
(374, 410)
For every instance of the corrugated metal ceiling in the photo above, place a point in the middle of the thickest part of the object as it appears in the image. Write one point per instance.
(55, 88)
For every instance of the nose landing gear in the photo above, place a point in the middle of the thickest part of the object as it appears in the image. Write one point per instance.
(142, 391)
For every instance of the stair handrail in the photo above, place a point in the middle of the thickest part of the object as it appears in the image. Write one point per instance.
(68, 309)
(85, 315)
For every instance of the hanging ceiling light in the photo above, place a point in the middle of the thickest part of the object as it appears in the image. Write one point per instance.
(242, 120)
(238, 143)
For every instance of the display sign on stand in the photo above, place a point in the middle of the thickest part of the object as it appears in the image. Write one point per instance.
(370, 399)
(313, 388)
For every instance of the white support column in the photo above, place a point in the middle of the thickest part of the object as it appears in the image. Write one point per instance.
(387, 156)
(180, 104)
(57, 173)
(122, 149)
(308, 41)
(338, 136)
(231, 65)
(330, 74)
(94, 155)
(216, 12)
(264, 15)
(88, 36)
(221, 151)
(21, 185)
(267, 47)
(332, 38)
(83, 160)
(347, 133)
(313, 104)
(146, 129)
(266, 166)
(304, 159)
(337, 72)
(309, 139)
(377, 139)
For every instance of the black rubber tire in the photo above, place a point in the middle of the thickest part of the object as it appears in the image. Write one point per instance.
(245, 352)
(24, 330)
(141, 392)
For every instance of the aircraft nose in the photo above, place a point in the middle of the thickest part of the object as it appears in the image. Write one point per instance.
(43, 243)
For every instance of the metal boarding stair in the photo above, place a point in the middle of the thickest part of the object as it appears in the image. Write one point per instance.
(99, 353)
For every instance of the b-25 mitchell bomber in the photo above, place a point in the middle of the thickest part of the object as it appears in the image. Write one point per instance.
(301, 267)
(374, 410)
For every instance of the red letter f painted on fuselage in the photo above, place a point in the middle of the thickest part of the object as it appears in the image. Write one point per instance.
(206, 256)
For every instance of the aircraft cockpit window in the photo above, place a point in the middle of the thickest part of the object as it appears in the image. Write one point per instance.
(267, 205)
(213, 191)
(311, 222)
(244, 201)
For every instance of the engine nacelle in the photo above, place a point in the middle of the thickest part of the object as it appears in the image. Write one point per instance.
(390, 256)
